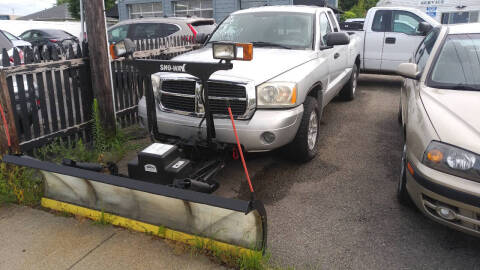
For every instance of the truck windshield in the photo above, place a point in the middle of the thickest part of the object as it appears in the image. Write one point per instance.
(458, 64)
(276, 29)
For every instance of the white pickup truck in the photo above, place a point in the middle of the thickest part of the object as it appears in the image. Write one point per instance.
(390, 36)
(301, 61)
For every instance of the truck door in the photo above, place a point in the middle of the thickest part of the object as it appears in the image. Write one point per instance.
(341, 52)
(335, 55)
(374, 39)
(401, 40)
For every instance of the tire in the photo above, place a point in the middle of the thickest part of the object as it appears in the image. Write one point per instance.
(348, 91)
(402, 194)
(399, 117)
(304, 146)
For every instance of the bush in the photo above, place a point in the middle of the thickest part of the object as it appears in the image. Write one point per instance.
(20, 185)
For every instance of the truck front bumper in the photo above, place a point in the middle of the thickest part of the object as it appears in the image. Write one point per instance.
(283, 124)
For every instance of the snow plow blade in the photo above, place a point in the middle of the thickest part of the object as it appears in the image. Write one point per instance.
(177, 214)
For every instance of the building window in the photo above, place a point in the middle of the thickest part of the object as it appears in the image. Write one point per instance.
(460, 17)
(145, 10)
(199, 8)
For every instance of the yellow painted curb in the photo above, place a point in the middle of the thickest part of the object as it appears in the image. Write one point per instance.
(160, 231)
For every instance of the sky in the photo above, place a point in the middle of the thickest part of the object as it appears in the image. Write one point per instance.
(24, 7)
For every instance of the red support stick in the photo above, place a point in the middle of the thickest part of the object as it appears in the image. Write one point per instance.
(240, 149)
(5, 126)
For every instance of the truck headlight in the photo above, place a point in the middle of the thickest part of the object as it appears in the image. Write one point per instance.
(452, 160)
(276, 94)
(226, 51)
(232, 51)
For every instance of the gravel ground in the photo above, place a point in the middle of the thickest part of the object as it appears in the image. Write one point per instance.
(339, 211)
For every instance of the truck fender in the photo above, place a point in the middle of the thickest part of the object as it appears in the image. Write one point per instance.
(316, 91)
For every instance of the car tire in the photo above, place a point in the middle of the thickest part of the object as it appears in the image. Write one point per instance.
(402, 194)
(348, 91)
(305, 144)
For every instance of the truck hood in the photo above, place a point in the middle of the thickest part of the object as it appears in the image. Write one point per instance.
(267, 63)
(455, 116)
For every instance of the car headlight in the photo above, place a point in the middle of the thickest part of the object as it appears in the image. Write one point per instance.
(452, 160)
(276, 94)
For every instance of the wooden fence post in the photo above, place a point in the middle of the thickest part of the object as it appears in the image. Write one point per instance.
(8, 131)
(100, 63)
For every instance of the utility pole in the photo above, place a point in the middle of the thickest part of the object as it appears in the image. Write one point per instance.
(82, 23)
(100, 63)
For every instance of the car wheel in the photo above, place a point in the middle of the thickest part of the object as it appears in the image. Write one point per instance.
(402, 193)
(305, 145)
(348, 91)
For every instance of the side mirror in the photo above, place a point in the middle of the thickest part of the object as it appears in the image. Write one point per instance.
(122, 48)
(337, 38)
(201, 38)
(424, 28)
(408, 70)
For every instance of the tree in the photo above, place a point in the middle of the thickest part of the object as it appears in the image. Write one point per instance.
(356, 8)
(74, 6)
(346, 4)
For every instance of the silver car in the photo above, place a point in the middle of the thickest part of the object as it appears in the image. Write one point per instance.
(440, 116)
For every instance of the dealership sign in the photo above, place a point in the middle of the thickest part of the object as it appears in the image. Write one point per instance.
(431, 11)
(432, 2)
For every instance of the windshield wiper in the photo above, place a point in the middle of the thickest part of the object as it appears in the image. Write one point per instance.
(464, 87)
(269, 44)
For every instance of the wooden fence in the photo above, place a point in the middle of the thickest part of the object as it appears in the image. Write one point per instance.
(52, 97)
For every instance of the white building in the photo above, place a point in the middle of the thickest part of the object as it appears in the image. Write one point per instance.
(444, 11)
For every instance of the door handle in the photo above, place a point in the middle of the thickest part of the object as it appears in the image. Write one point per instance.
(390, 40)
(336, 55)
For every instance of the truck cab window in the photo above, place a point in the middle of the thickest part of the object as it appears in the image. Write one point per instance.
(325, 28)
(381, 20)
(405, 22)
(333, 20)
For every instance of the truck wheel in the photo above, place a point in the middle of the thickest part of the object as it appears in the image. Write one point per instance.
(348, 91)
(305, 145)
(399, 116)
(402, 194)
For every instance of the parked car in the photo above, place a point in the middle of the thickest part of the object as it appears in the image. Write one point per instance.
(16, 41)
(136, 29)
(278, 97)
(52, 38)
(7, 44)
(439, 112)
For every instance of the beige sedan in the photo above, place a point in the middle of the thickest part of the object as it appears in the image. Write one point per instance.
(440, 116)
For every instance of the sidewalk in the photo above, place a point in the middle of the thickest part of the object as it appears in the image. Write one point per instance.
(35, 239)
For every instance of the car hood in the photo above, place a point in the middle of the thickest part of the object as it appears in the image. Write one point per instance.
(267, 63)
(455, 116)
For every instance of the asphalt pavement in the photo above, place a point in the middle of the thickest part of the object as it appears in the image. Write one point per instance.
(339, 211)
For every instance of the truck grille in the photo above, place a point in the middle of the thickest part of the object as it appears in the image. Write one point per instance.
(181, 96)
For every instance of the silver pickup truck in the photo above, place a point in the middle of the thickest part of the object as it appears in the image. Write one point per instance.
(301, 61)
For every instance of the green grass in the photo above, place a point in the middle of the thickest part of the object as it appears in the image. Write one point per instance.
(20, 185)
(102, 220)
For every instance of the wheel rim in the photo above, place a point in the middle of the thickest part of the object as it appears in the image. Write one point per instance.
(312, 130)
(354, 82)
